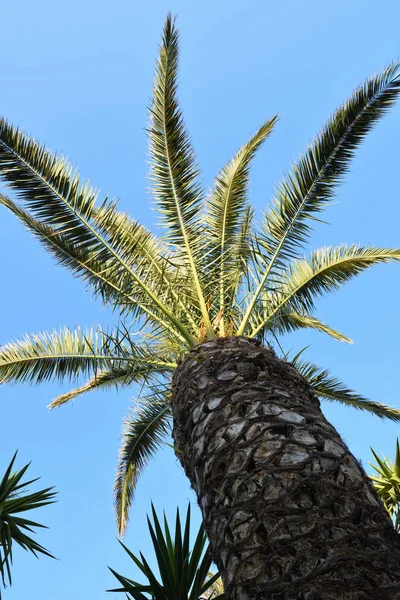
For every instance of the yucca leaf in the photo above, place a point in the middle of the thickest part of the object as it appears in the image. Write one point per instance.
(203, 574)
(135, 559)
(168, 539)
(15, 500)
(161, 551)
(157, 588)
(144, 431)
(184, 571)
(387, 484)
(129, 585)
(197, 551)
(180, 560)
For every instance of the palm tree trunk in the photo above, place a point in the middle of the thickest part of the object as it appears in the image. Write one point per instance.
(289, 512)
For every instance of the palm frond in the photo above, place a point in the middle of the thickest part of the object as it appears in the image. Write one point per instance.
(387, 484)
(145, 253)
(145, 429)
(13, 528)
(102, 277)
(330, 388)
(287, 322)
(311, 184)
(325, 271)
(174, 173)
(227, 215)
(118, 376)
(55, 195)
(67, 354)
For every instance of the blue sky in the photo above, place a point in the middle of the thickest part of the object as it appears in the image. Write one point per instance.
(78, 77)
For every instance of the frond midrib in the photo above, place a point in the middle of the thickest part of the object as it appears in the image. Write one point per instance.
(199, 291)
(167, 365)
(222, 265)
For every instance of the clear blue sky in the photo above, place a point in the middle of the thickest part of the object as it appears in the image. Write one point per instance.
(78, 76)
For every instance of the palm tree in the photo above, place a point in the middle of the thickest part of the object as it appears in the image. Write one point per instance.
(287, 508)
(13, 527)
(184, 572)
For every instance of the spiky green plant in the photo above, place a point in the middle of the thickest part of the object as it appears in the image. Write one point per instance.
(387, 484)
(184, 571)
(15, 500)
(213, 273)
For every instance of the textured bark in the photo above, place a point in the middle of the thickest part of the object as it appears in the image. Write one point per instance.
(290, 513)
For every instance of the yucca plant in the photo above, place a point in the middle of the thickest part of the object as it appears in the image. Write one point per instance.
(14, 528)
(183, 571)
(285, 505)
(387, 483)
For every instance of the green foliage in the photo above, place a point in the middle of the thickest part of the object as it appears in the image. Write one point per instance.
(144, 431)
(330, 388)
(214, 271)
(184, 572)
(387, 484)
(227, 214)
(67, 354)
(13, 528)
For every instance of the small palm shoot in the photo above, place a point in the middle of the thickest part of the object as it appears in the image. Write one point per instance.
(14, 500)
(183, 571)
(387, 483)
(215, 271)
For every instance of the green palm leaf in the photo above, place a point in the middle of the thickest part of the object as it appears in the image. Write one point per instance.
(326, 270)
(311, 184)
(145, 429)
(104, 279)
(227, 216)
(57, 197)
(174, 173)
(330, 388)
(13, 501)
(114, 377)
(67, 354)
(287, 322)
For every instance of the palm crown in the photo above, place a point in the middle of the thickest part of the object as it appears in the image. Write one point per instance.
(213, 273)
